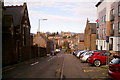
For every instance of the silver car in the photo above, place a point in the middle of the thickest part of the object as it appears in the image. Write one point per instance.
(84, 57)
(79, 53)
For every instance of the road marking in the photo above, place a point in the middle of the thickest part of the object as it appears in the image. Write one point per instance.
(88, 70)
(8, 69)
(61, 76)
(34, 63)
(93, 70)
(50, 59)
(57, 70)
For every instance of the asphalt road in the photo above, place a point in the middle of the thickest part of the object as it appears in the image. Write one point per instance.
(62, 66)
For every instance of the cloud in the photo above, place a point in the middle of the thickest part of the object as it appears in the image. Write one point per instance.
(53, 17)
(78, 11)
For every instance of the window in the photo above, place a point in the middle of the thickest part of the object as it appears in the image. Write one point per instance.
(115, 61)
(112, 27)
(118, 27)
(112, 12)
(104, 18)
(101, 54)
(112, 15)
(112, 30)
(25, 36)
(104, 31)
(119, 10)
(107, 54)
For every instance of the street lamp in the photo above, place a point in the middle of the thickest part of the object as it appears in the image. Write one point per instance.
(39, 34)
(39, 24)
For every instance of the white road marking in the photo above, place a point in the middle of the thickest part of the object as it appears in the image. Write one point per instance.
(8, 69)
(50, 59)
(34, 63)
(61, 76)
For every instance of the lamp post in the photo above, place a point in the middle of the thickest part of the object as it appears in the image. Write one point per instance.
(39, 34)
(39, 24)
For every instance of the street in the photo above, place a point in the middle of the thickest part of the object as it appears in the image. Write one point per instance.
(60, 66)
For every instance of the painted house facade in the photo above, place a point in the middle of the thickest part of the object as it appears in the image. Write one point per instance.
(108, 29)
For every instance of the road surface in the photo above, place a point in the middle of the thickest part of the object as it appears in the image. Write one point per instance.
(62, 66)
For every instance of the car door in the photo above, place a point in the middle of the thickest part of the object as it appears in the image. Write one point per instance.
(102, 57)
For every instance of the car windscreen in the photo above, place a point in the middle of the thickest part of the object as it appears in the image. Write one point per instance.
(77, 51)
(99, 50)
(115, 61)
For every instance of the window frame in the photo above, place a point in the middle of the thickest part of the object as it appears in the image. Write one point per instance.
(113, 26)
(119, 10)
(101, 54)
(118, 27)
(112, 11)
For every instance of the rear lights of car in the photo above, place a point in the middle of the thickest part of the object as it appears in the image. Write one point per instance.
(114, 68)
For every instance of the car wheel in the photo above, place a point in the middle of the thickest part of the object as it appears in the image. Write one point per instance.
(97, 63)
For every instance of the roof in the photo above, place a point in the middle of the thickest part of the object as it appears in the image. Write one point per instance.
(44, 37)
(17, 13)
(91, 26)
(99, 3)
(8, 20)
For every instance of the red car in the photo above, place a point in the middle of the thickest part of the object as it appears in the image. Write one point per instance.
(98, 58)
(114, 68)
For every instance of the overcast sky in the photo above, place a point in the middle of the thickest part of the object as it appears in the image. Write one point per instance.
(61, 15)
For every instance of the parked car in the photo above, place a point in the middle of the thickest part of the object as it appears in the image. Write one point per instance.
(57, 50)
(98, 58)
(79, 53)
(84, 57)
(114, 68)
(99, 50)
(75, 52)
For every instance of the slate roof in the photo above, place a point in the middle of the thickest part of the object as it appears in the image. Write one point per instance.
(16, 12)
(44, 37)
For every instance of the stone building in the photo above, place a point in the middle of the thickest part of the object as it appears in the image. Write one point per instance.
(42, 41)
(90, 36)
(15, 34)
(81, 41)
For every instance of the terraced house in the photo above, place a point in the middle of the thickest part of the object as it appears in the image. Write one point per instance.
(108, 25)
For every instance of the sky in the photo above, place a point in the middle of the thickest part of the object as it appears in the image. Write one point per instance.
(61, 15)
